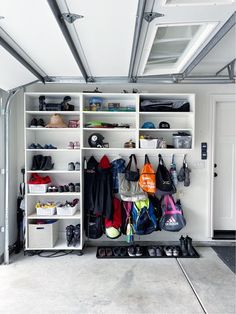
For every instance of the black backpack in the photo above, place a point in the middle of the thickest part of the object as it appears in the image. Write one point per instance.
(163, 178)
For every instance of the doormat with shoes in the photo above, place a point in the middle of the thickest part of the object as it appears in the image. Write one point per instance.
(137, 251)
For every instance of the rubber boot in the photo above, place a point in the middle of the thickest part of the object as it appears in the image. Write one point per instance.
(69, 234)
(76, 238)
(183, 246)
(190, 246)
(47, 163)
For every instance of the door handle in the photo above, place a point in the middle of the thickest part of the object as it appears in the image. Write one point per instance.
(215, 174)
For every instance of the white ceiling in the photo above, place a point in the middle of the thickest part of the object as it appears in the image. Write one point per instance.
(104, 37)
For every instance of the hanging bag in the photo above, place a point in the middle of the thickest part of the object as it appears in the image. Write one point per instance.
(147, 179)
(163, 179)
(131, 175)
(172, 219)
(130, 191)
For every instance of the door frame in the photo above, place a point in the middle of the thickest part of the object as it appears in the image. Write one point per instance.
(214, 99)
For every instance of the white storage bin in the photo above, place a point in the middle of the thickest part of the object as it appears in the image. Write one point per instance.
(38, 188)
(67, 210)
(46, 211)
(182, 141)
(43, 235)
(144, 143)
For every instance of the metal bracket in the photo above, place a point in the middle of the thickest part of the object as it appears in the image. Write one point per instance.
(71, 17)
(230, 68)
(150, 16)
(90, 79)
(133, 79)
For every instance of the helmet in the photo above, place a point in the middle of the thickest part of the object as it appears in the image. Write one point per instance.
(96, 140)
(148, 125)
(164, 125)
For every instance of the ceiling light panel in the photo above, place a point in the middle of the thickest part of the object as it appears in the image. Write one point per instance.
(13, 73)
(34, 28)
(197, 2)
(105, 33)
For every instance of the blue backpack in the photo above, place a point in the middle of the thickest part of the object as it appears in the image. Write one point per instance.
(143, 217)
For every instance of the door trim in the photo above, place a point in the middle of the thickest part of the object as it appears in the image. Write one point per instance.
(214, 99)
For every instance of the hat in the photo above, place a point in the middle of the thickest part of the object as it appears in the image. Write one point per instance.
(148, 125)
(56, 121)
(164, 125)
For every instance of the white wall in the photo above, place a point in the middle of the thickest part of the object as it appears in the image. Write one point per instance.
(195, 199)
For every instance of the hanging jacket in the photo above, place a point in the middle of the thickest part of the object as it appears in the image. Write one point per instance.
(103, 186)
(117, 166)
(89, 184)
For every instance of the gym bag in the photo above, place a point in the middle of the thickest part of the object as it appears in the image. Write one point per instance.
(129, 174)
(165, 105)
(143, 217)
(163, 178)
(172, 218)
(147, 179)
(130, 191)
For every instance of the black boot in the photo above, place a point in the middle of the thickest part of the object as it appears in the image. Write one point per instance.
(190, 246)
(47, 163)
(183, 246)
(76, 238)
(69, 234)
(35, 165)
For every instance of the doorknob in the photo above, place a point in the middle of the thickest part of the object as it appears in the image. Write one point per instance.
(215, 174)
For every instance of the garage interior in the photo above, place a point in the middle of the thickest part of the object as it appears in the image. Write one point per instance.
(111, 58)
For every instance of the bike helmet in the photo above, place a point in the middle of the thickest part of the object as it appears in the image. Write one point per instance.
(96, 140)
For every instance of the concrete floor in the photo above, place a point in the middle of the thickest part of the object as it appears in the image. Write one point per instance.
(73, 284)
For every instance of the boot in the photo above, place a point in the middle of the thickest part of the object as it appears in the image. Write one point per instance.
(189, 246)
(183, 246)
(47, 163)
(76, 238)
(69, 234)
(35, 165)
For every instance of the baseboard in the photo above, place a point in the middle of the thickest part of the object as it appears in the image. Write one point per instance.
(224, 235)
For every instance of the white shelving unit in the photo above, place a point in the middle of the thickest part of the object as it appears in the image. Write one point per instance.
(59, 137)
(116, 137)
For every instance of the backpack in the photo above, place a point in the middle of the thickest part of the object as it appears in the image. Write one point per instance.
(147, 179)
(143, 217)
(172, 218)
(94, 227)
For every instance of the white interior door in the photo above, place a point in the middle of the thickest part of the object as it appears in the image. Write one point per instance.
(224, 207)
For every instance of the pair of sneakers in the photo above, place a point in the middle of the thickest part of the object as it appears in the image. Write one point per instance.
(155, 251)
(38, 146)
(73, 145)
(135, 250)
(172, 251)
(37, 123)
(74, 166)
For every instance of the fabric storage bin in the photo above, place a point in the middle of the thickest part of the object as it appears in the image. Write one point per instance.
(67, 210)
(144, 143)
(45, 211)
(182, 141)
(43, 235)
(38, 188)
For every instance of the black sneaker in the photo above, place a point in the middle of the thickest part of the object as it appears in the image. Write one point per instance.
(69, 234)
(71, 187)
(77, 187)
(138, 251)
(176, 251)
(33, 123)
(61, 189)
(41, 123)
(159, 251)
(76, 236)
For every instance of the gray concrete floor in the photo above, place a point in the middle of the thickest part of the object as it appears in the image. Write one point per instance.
(73, 284)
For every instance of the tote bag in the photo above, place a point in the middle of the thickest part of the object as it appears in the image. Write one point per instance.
(147, 179)
(172, 218)
(130, 191)
(131, 175)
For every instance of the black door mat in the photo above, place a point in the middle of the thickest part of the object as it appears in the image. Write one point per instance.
(144, 250)
(224, 235)
(227, 254)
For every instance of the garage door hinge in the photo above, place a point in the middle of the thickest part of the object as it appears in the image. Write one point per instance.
(150, 16)
(71, 17)
(2, 229)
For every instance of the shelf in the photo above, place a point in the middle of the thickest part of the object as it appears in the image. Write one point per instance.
(169, 114)
(110, 113)
(53, 129)
(53, 150)
(60, 245)
(52, 171)
(55, 194)
(165, 130)
(35, 216)
(112, 148)
(111, 129)
(67, 113)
